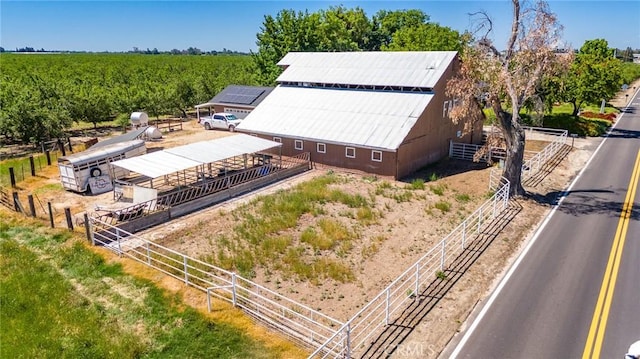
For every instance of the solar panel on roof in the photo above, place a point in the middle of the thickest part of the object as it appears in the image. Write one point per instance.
(243, 96)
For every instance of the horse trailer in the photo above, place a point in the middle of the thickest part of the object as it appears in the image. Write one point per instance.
(92, 167)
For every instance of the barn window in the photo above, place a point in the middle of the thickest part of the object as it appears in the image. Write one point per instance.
(277, 139)
(350, 152)
(376, 156)
(321, 148)
(297, 144)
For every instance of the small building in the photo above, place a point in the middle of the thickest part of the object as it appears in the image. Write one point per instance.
(384, 113)
(234, 99)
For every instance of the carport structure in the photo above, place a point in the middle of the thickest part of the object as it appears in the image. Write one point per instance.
(169, 183)
(200, 162)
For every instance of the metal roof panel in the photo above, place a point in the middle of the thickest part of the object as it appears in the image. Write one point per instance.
(377, 119)
(376, 68)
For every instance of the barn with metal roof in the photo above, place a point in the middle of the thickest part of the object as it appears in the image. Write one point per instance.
(380, 112)
(236, 99)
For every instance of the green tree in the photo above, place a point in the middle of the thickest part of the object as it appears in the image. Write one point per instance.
(386, 23)
(594, 75)
(426, 37)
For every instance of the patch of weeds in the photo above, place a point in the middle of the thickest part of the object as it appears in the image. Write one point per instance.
(371, 178)
(443, 206)
(438, 189)
(403, 196)
(433, 177)
(441, 275)
(366, 215)
(416, 184)
(463, 198)
(312, 238)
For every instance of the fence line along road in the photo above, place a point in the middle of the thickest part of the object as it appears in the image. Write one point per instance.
(356, 334)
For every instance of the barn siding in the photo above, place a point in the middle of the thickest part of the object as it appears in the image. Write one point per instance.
(335, 156)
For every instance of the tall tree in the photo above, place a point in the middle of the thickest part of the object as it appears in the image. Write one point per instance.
(509, 78)
(342, 29)
(426, 37)
(594, 75)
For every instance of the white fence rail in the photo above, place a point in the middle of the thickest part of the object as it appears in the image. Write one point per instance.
(357, 333)
(300, 323)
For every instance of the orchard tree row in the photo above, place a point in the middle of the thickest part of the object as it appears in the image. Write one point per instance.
(42, 95)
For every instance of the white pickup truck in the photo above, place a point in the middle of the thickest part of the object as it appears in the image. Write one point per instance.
(225, 121)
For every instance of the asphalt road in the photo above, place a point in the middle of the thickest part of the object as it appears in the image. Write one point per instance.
(545, 305)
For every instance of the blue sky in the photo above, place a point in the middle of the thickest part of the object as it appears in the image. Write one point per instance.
(214, 25)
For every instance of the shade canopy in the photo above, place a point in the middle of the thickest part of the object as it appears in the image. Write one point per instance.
(161, 163)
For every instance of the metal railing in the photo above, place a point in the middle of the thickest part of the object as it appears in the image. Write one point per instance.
(198, 190)
(297, 321)
(533, 163)
(356, 334)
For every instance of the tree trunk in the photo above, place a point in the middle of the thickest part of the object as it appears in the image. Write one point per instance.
(514, 138)
(575, 108)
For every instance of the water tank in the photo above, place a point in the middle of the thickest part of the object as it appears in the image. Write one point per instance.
(152, 133)
(139, 119)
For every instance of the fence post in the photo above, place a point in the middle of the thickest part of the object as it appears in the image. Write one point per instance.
(442, 254)
(48, 155)
(186, 272)
(464, 233)
(479, 218)
(495, 199)
(12, 177)
(386, 309)
(148, 253)
(118, 239)
(233, 288)
(348, 351)
(70, 147)
(32, 205)
(417, 290)
(50, 215)
(16, 202)
(33, 166)
(87, 228)
(61, 146)
(67, 213)
(209, 299)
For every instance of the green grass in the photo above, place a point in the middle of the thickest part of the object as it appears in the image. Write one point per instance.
(443, 206)
(416, 184)
(578, 125)
(438, 189)
(462, 197)
(264, 232)
(60, 300)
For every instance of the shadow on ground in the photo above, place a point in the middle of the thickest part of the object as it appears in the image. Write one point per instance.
(385, 344)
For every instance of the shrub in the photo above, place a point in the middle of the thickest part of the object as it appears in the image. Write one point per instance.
(443, 206)
(416, 184)
(438, 190)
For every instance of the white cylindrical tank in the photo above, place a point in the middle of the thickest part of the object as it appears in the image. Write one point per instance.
(139, 119)
(152, 133)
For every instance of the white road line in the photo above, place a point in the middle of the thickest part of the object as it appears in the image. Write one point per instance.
(515, 265)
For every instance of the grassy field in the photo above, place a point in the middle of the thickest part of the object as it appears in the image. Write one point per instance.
(61, 300)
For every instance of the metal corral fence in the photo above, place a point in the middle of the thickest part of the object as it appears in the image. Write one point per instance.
(201, 189)
(532, 165)
(300, 323)
(357, 333)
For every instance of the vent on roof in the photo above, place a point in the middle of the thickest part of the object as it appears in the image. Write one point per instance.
(244, 96)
